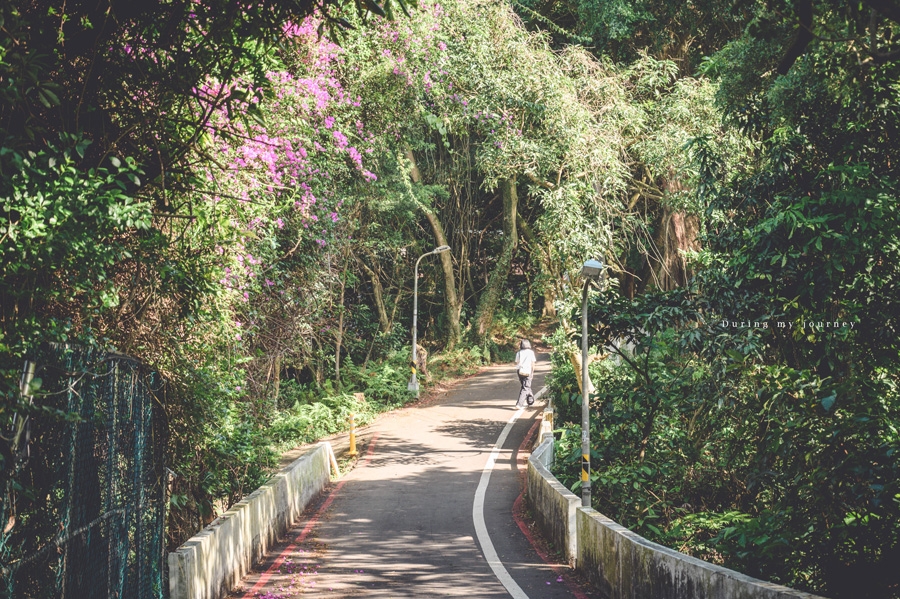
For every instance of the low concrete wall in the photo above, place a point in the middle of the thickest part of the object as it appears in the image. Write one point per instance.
(624, 565)
(551, 503)
(213, 561)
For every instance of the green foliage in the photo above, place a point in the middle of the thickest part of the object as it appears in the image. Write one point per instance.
(292, 394)
(511, 318)
(753, 419)
(700, 421)
(758, 407)
(63, 236)
(624, 29)
(240, 459)
(384, 384)
(309, 422)
(480, 101)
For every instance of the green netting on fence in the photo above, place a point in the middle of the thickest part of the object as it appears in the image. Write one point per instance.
(87, 506)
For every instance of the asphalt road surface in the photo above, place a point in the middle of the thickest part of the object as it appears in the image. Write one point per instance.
(407, 522)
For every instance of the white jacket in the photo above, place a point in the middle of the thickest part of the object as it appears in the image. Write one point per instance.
(525, 360)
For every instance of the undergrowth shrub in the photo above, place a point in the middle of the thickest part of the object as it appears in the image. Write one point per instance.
(751, 471)
(306, 423)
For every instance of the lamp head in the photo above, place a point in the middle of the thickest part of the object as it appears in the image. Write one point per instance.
(592, 269)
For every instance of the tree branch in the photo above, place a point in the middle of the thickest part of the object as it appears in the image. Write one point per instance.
(802, 38)
(545, 184)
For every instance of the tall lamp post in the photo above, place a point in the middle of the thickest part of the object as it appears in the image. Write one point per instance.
(413, 383)
(590, 272)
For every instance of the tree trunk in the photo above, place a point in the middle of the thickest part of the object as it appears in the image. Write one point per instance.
(667, 269)
(319, 367)
(339, 334)
(452, 300)
(543, 256)
(276, 377)
(490, 297)
(575, 359)
(383, 321)
(679, 52)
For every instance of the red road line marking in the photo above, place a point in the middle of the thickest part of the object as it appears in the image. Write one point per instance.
(310, 524)
(517, 505)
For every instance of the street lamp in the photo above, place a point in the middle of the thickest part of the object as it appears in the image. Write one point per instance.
(591, 271)
(413, 383)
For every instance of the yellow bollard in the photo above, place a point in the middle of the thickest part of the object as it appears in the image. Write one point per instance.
(352, 453)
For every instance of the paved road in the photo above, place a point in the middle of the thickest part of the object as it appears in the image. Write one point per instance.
(402, 523)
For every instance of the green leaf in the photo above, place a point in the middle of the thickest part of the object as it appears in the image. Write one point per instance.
(375, 8)
(403, 7)
(734, 355)
(44, 99)
(81, 146)
(54, 99)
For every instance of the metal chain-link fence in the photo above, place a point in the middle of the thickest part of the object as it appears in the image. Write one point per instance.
(83, 514)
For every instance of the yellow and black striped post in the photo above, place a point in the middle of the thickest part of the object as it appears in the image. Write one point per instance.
(585, 470)
(352, 452)
(413, 382)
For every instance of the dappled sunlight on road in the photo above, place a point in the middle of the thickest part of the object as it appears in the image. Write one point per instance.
(402, 523)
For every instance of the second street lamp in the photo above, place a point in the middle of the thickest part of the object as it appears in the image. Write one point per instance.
(413, 383)
(590, 272)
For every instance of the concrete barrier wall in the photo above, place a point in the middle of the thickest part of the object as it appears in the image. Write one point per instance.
(551, 503)
(622, 564)
(214, 561)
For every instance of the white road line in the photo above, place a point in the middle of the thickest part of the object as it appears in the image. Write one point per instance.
(484, 539)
